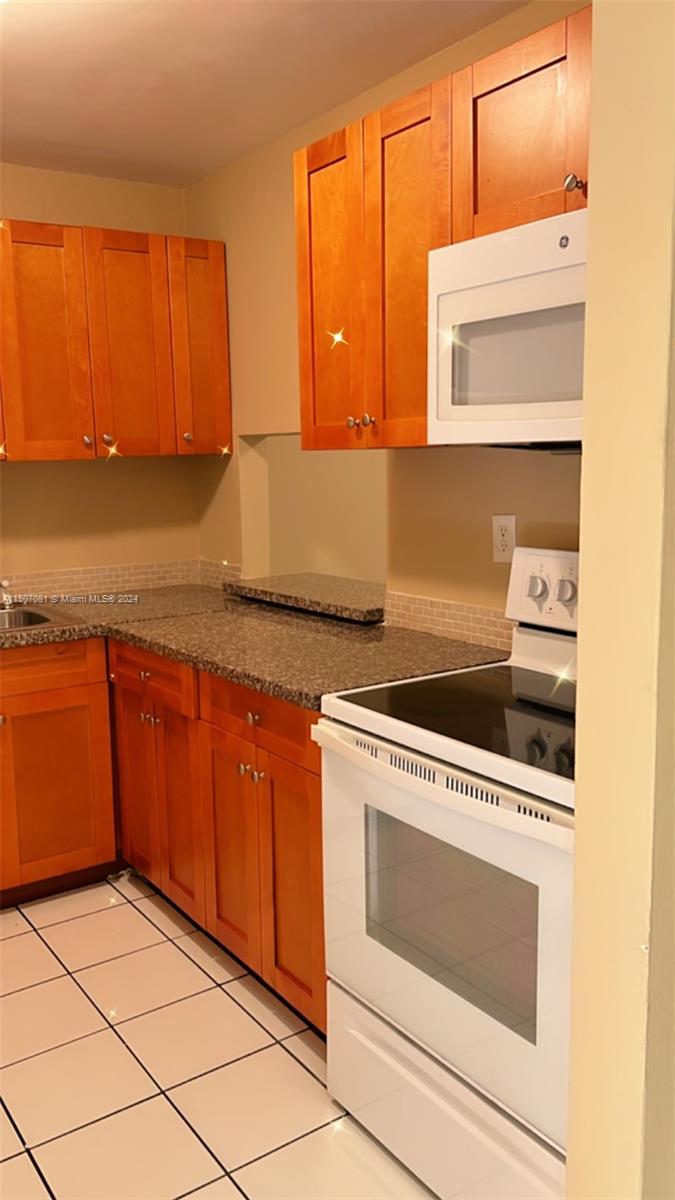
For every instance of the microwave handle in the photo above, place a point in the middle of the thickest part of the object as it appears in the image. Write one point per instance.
(336, 739)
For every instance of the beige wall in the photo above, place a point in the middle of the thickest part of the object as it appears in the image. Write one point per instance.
(447, 550)
(622, 1124)
(31, 194)
(327, 511)
(441, 503)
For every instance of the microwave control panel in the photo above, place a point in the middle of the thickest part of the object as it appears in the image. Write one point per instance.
(544, 588)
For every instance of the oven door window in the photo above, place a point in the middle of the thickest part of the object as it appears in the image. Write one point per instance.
(520, 358)
(470, 925)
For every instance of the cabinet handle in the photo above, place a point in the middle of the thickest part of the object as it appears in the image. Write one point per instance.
(243, 769)
(3, 719)
(367, 420)
(87, 441)
(252, 718)
(155, 720)
(571, 182)
(258, 776)
(142, 717)
(111, 677)
(144, 676)
(107, 439)
(187, 437)
(353, 422)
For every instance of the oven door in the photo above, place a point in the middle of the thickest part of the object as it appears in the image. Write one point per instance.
(448, 911)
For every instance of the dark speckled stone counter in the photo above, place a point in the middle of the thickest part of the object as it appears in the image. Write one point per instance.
(352, 599)
(300, 657)
(292, 655)
(82, 619)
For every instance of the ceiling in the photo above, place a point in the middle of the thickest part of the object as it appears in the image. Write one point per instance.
(169, 90)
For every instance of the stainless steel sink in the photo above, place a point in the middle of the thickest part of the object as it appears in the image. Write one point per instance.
(17, 618)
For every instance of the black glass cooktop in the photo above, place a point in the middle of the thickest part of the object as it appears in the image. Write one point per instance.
(520, 714)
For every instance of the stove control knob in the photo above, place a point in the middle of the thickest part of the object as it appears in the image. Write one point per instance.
(564, 762)
(536, 750)
(566, 592)
(537, 588)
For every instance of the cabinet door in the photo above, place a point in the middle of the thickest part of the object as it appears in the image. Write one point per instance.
(137, 781)
(201, 362)
(407, 214)
(179, 810)
(128, 304)
(329, 238)
(230, 814)
(291, 885)
(44, 339)
(57, 805)
(519, 127)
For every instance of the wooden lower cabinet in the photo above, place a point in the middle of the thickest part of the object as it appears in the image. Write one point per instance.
(231, 833)
(137, 782)
(291, 884)
(56, 785)
(179, 811)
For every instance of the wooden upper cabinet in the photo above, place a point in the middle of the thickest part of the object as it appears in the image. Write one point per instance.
(407, 213)
(130, 332)
(46, 381)
(519, 127)
(55, 784)
(329, 231)
(201, 367)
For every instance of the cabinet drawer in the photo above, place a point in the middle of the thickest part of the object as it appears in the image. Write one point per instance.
(275, 725)
(173, 683)
(54, 665)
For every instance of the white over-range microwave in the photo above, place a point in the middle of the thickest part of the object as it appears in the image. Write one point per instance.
(506, 335)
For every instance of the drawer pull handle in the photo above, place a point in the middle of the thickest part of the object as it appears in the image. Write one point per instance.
(258, 776)
(252, 718)
(144, 676)
(243, 769)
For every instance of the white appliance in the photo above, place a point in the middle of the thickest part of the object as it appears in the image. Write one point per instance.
(448, 845)
(506, 335)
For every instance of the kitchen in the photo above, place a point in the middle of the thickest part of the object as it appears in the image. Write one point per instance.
(141, 519)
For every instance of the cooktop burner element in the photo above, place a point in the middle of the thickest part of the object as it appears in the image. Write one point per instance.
(524, 715)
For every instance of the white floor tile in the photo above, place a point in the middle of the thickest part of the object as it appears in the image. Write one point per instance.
(20, 1181)
(168, 919)
(11, 923)
(211, 958)
(136, 983)
(266, 1008)
(193, 1036)
(132, 886)
(100, 936)
(25, 961)
(310, 1050)
(254, 1105)
(144, 1153)
(42, 1017)
(10, 1142)
(340, 1162)
(222, 1189)
(72, 904)
(55, 1092)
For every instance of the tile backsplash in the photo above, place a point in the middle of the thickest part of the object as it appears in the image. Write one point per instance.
(122, 577)
(448, 618)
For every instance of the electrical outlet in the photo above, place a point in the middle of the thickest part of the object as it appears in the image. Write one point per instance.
(503, 537)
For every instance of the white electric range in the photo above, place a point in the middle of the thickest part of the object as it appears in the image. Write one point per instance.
(448, 848)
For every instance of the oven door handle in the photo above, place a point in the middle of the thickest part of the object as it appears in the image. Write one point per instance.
(338, 739)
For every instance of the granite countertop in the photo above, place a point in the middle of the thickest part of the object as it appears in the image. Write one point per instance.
(80, 617)
(299, 657)
(353, 599)
(296, 656)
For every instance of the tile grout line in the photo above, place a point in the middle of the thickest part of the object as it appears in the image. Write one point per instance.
(147, 1072)
(161, 1091)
